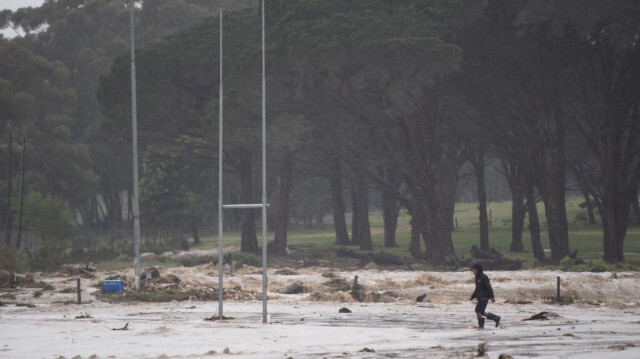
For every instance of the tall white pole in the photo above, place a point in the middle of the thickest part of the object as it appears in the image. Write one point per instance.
(264, 182)
(220, 216)
(134, 125)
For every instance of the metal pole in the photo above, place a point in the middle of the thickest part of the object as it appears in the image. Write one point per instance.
(220, 216)
(23, 162)
(7, 240)
(134, 126)
(264, 183)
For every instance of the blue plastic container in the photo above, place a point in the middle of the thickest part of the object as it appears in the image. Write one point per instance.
(113, 286)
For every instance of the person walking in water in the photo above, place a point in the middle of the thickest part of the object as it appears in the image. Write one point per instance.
(483, 293)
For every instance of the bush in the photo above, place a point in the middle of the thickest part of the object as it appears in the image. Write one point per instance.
(92, 255)
(566, 264)
(49, 257)
(248, 259)
(532, 263)
(194, 261)
(600, 266)
(7, 258)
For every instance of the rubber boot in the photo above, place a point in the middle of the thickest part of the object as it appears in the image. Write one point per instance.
(494, 317)
(480, 322)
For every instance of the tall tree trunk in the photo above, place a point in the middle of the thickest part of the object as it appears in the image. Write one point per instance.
(516, 178)
(337, 203)
(439, 207)
(518, 213)
(635, 206)
(554, 204)
(416, 232)
(390, 212)
(437, 237)
(588, 205)
(355, 216)
(552, 188)
(361, 228)
(478, 163)
(390, 208)
(282, 211)
(534, 225)
(616, 206)
(195, 233)
(249, 240)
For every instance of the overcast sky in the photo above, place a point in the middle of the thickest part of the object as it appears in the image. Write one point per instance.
(16, 4)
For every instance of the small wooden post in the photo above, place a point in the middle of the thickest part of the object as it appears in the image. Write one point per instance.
(456, 223)
(79, 292)
(558, 289)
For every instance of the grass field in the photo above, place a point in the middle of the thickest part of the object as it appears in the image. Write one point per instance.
(586, 239)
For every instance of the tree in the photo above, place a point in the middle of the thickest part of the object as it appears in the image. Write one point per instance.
(174, 190)
(46, 217)
(87, 36)
(606, 82)
(380, 83)
(38, 99)
(516, 72)
(603, 81)
(476, 156)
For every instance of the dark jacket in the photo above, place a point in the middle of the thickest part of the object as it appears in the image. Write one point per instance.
(483, 286)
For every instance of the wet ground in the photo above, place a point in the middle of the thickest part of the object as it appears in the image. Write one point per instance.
(602, 321)
(314, 330)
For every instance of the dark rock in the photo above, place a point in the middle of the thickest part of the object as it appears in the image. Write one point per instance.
(296, 287)
(494, 260)
(543, 316)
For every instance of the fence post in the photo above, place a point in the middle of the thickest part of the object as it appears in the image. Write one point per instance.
(79, 291)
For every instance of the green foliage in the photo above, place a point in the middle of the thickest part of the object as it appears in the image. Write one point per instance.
(49, 256)
(600, 266)
(175, 189)
(36, 97)
(47, 216)
(248, 259)
(7, 258)
(566, 264)
(194, 261)
(360, 80)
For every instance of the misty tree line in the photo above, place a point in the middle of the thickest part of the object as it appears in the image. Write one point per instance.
(364, 97)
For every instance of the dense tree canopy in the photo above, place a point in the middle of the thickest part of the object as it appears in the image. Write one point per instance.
(362, 97)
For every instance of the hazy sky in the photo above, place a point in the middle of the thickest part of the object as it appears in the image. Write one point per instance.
(16, 4)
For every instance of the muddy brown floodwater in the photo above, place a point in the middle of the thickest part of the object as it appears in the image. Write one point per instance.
(599, 317)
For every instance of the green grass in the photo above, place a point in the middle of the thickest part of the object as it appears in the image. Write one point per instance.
(320, 240)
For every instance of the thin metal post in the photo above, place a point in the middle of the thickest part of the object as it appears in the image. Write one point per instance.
(9, 222)
(23, 163)
(79, 290)
(263, 205)
(220, 215)
(134, 128)
(264, 182)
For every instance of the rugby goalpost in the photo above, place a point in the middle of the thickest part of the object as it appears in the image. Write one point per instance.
(263, 205)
